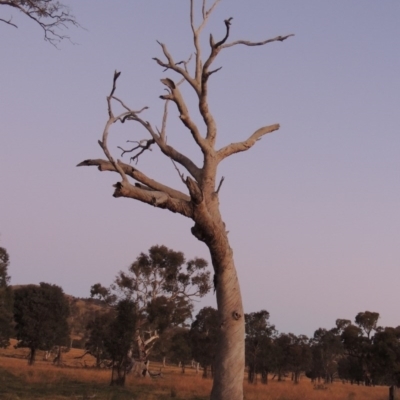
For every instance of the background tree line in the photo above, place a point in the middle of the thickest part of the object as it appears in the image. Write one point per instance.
(36, 315)
(361, 353)
(146, 314)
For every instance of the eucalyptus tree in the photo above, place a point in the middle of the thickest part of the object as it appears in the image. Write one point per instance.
(327, 350)
(98, 333)
(203, 337)
(180, 349)
(358, 345)
(367, 321)
(40, 314)
(386, 356)
(162, 285)
(259, 336)
(300, 356)
(200, 201)
(119, 340)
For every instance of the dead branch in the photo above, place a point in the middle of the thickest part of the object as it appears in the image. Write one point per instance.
(185, 63)
(139, 185)
(248, 43)
(228, 25)
(104, 165)
(220, 184)
(176, 96)
(84, 354)
(175, 67)
(50, 15)
(162, 134)
(132, 115)
(194, 190)
(159, 140)
(8, 22)
(116, 76)
(154, 198)
(170, 151)
(206, 73)
(205, 15)
(179, 172)
(196, 35)
(246, 144)
(142, 144)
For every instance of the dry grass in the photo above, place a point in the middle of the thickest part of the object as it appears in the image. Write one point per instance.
(45, 381)
(306, 391)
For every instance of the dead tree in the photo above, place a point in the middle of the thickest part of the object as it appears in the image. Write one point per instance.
(200, 202)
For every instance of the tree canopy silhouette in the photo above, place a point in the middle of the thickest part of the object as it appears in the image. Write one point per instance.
(6, 300)
(40, 314)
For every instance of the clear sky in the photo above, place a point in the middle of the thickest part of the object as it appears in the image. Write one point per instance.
(312, 210)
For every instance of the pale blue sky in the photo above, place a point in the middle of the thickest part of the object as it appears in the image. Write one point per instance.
(312, 210)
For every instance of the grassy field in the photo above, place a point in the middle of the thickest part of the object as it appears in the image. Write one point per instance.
(76, 381)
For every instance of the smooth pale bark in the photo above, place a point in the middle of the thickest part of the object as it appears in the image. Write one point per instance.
(229, 362)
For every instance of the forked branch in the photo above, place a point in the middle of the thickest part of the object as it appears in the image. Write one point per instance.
(104, 165)
(175, 67)
(143, 145)
(175, 95)
(196, 35)
(158, 138)
(8, 22)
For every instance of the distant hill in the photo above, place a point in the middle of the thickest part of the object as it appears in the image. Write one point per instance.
(82, 310)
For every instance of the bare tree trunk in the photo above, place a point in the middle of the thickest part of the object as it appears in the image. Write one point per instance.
(229, 359)
(118, 375)
(58, 358)
(31, 356)
(98, 358)
(46, 355)
(279, 376)
(393, 393)
(250, 374)
(145, 369)
(264, 376)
